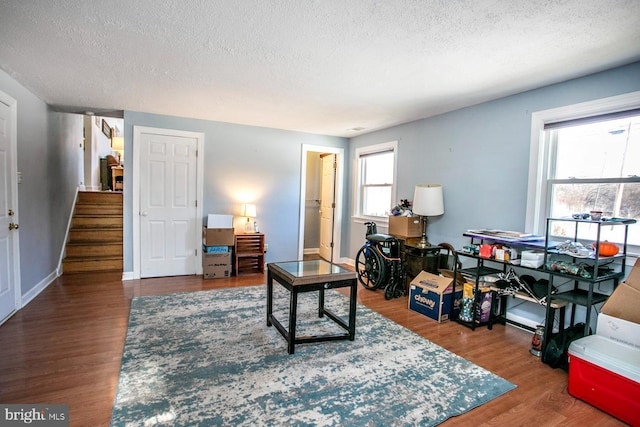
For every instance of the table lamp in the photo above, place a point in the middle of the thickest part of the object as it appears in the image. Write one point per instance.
(248, 210)
(427, 201)
(117, 145)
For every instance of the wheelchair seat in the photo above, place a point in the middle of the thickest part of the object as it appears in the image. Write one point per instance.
(381, 238)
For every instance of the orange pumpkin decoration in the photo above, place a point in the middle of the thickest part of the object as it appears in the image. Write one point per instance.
(607, 248)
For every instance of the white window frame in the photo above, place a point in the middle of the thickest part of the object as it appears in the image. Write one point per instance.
(540, 151)
(357, 205)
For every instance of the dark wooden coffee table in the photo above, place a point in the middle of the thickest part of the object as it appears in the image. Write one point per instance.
(309, 276)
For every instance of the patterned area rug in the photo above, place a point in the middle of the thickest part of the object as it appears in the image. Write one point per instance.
(208, 358)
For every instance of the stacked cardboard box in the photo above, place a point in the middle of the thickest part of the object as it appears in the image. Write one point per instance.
(604, 369)
(217, 242)
(405, 226)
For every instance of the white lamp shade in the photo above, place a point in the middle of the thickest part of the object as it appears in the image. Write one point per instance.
(427, 200)
(249, 210)
(117, 143)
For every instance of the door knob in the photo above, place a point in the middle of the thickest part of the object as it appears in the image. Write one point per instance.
(13, 226)
(143, 213)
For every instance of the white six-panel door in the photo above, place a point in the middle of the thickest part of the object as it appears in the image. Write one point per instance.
(168, 211)
(9, 253)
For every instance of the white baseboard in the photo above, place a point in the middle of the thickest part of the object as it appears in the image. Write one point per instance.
(311, 251)
(127, 275)
(37, 289)
(348, 261)
(522, 320)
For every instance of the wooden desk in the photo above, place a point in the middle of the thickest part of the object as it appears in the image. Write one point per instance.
(117, 184)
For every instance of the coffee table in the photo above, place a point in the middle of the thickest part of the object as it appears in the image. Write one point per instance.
(309, 276)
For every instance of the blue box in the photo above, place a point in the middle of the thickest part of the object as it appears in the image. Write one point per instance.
(430, 295)
(215, 249)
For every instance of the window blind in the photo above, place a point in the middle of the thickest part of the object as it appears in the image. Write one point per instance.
(593, 119)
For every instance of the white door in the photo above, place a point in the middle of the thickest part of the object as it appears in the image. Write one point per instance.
(9, 266)
(168, 212)
(327, 205)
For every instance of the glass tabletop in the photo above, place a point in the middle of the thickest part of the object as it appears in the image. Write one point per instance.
(310, 268)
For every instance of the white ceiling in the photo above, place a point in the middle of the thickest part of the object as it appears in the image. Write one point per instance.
(319, 66)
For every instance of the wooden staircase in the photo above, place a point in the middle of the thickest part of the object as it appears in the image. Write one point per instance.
(95, 236)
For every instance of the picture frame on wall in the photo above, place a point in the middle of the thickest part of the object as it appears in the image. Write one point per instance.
(106, 129)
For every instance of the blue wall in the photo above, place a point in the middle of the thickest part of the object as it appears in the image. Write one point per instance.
(480, 155)
(238, 160)
(48, 155)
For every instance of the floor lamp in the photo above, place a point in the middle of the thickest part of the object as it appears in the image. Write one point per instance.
(427, 201)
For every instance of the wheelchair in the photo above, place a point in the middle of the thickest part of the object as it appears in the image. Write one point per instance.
(379, 265)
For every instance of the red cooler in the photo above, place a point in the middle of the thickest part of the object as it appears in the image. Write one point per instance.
(606, 374)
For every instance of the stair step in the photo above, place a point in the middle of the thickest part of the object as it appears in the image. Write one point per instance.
(99, 197)
(96, 221)
(93, 250)
(95, 235)
(98, 209)
(92, 264)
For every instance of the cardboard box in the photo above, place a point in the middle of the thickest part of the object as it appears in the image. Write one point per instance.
(430, 295)
(619, 318)
(219, 221)
(217, 236)
(406, 226)
(216, 266)
(606, 374)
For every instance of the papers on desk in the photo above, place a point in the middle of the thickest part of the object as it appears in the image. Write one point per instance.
(508, 236)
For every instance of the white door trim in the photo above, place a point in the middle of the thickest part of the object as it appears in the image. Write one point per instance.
(13, 173)
(197, 237)
(306, 148)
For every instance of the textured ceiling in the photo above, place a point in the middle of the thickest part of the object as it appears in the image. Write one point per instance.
(324, 66)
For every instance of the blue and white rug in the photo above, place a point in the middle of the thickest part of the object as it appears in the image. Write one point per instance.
(207, 358)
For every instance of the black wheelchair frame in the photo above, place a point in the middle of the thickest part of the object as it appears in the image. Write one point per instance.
(379, 265)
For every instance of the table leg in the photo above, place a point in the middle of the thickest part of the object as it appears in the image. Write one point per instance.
(293, 312)
(353, 297)
(321, 303)
(269, 297)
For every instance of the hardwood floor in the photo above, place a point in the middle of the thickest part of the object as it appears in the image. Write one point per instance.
(66, 345)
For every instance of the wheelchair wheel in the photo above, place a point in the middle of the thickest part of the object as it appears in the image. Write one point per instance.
(389, 291)
(370, 268)
(393, 290)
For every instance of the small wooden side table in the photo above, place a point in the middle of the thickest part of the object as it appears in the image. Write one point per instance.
(249, 252)
(310, 276)
(117, 172)
(416, 258)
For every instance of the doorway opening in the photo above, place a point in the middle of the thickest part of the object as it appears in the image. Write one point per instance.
(321, 195)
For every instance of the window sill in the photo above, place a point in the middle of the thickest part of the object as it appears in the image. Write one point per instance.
(382, 221)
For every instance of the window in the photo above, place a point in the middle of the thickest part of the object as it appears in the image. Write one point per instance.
(594, 171)
(586, 162)
(376, 171)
